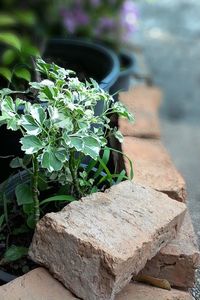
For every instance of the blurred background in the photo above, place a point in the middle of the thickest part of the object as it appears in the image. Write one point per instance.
(169, 34)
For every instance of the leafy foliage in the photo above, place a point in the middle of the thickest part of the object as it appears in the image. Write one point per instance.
(16, 46)
(64, 144)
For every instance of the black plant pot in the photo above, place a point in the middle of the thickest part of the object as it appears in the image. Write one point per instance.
(127, 66)
(89, 60)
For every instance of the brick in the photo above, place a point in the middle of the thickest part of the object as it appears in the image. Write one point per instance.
(143, 102)
(137, 291)
(93, 246)
(35, 285)
(177, 261)
(153, 167)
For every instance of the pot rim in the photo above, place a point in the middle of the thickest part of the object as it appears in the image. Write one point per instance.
(111, 76)
(132, 61)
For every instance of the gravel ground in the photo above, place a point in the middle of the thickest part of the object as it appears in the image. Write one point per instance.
(170, 37)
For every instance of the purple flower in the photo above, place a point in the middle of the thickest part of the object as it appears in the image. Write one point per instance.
(74, 18)
(105, 24)
(95, 3)
(129, 17)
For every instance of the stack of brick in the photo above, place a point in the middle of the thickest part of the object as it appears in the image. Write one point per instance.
(153, 167)
(96, 246)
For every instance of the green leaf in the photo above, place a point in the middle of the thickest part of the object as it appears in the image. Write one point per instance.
(28, 209)
(10, 39)
(105, 159)
(38, 114)
(8, 57)
(2, 217)
(31, 126)
(12, 124)
(118, 136)
(14, 253)
(6, 73)
(31, 144)
(6, 20)
(63, 198)
(26, 17)
(20, 230)
(91, 147)
(77, 143)
(31, 221)
(121, 176)
(16, 162)
(50, 161)
(23, 194)
(61, 155)
(23, 73)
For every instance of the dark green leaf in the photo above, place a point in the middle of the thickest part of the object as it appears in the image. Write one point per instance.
(6, 20)
(2, 217)
(14, 253)
(16, 162)
(28, 209)
(31, 221)
(105, 159)
(23, 194)
(63, 198)
(25, 17)
(10, 39)
(23, 73)
(20, 230)
(6, 73)
(8, 56)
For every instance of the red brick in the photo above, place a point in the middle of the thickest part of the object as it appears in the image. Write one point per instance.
(143, 102)
(35, 285)
(153, 167)
(177, 261)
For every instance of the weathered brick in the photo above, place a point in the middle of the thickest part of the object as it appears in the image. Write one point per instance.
(35, 285)
(137, 291)
(177, 261)
(143, 102)
(153, 167)
(93, 246)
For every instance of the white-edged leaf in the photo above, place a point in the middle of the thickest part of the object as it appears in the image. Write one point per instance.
(31, 144)
(50, 161)
(91, 147)
(38, 114)
(118, 136)
(30, 125)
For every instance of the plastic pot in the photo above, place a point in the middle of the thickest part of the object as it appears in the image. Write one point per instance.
(92, 60)
(87, 59)
(127, 66)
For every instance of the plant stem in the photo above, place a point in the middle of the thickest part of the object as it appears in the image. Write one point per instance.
(74, 174)
(35, 189)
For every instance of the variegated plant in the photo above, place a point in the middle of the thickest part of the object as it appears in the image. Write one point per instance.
(61, 128)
